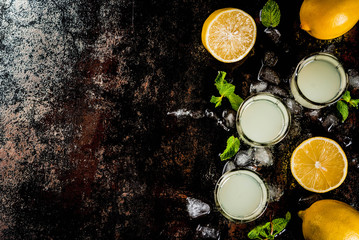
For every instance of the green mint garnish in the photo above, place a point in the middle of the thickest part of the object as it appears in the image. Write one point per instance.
(270, 229)
(225, 89)
(346, 96)
(231, 149)
(354, 102)
(279, 224)
(270, 14)
(343, 110)
(235, 101)
(344, 103)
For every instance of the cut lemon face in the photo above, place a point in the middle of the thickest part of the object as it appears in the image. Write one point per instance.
(229, 34)
(319, 164)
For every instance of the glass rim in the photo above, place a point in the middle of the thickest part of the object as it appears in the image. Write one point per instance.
(282, 134)
(263, 204)
(303, 63)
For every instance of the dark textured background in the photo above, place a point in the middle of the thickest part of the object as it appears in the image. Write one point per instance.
(87, 150)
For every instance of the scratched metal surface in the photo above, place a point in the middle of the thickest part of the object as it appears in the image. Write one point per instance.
(87, 150)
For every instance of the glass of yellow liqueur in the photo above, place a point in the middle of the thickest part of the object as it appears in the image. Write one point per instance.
(318, 81)
(241, 195)
(262, 120)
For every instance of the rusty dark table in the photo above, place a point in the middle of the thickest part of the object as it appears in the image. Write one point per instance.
(87, 149)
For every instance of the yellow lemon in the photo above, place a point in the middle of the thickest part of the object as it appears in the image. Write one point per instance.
(319, 164)
(330, 220)
(229, 34)
(328, 19)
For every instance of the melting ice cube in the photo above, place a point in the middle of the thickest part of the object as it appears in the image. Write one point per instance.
(293, 106)
(197, 208)
(263, 157)
(273, 34)
(275, 192)
(270, 59)
(229, 117)
(244, 157)
(268, 74)
(330, 122)
(306, 201)
(220, 122)
(314, 114)
(258, 87)
(275, 90)
(228, 166)
(207, 232)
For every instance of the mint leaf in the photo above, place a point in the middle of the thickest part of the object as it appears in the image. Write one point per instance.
(346, 97)
(354, 102)
(235, 101)
(265, 230)
(270, 14)
(254, 233)
(279, 224)
(264, 233)
(216, 100)
(225, 89)
(231, 149)
(343, 110)
(220, 77)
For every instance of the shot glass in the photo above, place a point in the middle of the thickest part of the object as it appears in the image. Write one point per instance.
(241, 195)
(263, 120)
(318, 81)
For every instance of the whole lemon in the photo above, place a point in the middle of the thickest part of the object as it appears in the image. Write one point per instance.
(330, 220)
(328, 19)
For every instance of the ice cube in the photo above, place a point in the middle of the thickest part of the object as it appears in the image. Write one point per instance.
(209, 113)
(275, 90)
(229, 116)
(330, 122)
(313, 114)
(207, 232)
(353, 77)
(270, 59)
(220, 122)
(273, 34)
(307, 201)
(268, 74)
(293, 106)
(229, 166)
(263, 156)
(258, 87)
(346, 140)
(244, 157)
(275, 192)
(197, 208)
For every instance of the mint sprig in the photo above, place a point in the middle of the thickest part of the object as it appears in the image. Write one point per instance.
(270, 229)
(270, 14)
(232, 148)
(225, 89)
(344, 103)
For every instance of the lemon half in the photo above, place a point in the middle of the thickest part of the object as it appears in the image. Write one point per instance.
(229, 34)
